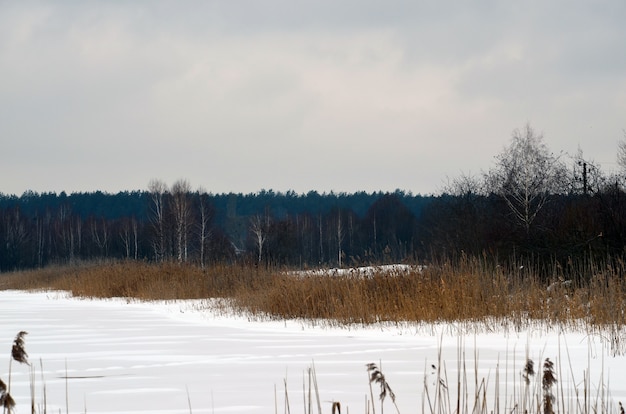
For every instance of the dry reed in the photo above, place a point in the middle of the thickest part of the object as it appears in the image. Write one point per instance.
(471, 291)
(473, 393)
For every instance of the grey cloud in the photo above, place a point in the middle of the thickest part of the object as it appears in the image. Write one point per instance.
(274, 89)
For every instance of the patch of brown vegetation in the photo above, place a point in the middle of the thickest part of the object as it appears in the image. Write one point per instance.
(470, 290)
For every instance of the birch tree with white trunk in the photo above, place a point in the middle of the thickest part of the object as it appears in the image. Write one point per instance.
(526, 175)
(259, 227)
(181, 209)
(158, 191)
(204, 224)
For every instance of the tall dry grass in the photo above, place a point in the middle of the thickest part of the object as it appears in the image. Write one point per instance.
(471, 290)
(464, 386)
(140, 280)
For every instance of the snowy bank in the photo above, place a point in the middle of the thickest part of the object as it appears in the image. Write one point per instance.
(125, 356)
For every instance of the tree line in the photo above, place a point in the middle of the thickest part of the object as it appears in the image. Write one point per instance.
(178, 223)
(531, 206)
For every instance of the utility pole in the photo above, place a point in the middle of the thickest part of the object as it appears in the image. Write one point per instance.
(585, 178)
(584, 165)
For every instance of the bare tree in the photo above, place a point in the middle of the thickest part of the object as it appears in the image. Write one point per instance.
(135, 228)
(15, 236)
(41, 227)
(621, 152)
(128, 235)
(181, 210)
(100, 236)
(125, 237)
(158, 190)
(526, 175)
(259, 227)
(340, 237)
(321, 239)
(63, 227)
(79, 234)
(204, 225)
(465, 185)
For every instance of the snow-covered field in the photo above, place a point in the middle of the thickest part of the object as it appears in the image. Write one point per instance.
(123, 357)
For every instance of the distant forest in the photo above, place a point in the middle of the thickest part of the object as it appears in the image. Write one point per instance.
(532, 207)
(304, 230)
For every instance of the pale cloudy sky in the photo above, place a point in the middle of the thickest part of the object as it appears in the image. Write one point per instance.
(319, 95)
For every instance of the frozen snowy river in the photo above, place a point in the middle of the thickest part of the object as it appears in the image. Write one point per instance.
(123, 357)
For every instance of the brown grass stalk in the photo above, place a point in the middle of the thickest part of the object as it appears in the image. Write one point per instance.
(469, 292)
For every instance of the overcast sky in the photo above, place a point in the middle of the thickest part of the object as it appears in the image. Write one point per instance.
(299, 95)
